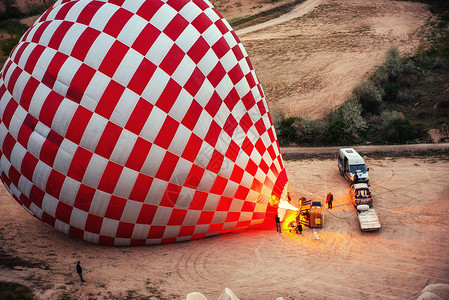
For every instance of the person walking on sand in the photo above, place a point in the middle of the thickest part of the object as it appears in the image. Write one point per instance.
(79, 270)
(278, 223)
(329, 200)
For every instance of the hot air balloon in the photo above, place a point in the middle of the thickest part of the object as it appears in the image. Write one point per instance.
(136, 122)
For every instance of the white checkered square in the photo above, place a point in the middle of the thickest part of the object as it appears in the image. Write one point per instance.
(205, 93)
(187, 38)
(108, 227)
(25, 186)
(155, 86)
(208, 62)
(49, 205)
(160, 218)
(171, 232)
(64, 156)
(184, 71)
(181, 106)
(98, 50)
(91, 237)
(63, 115)
(179, 141)
(190, 11)
(128, 67)
(124, 108)
(121, 151)
(125, 183)
(71, 38)
(102, 16)
(91, 137)
(212, 35)
(20, 85)
(131, 212)
(156, 192)
(95, 170)
(100, 203)
(140, 230)
(42, 64)
(184, 201)
(162, 17)
(131, 30)
(95, 90)
(69, 191)
(63, 227)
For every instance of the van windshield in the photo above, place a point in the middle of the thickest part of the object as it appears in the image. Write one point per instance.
(358, 168)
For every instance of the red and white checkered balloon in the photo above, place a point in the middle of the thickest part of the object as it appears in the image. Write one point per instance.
(131, 122)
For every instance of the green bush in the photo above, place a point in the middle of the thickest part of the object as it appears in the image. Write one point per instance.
(369, 96)
(393, 63)
(286, 132)
(311, 131)
(399, 131)
(8, 45)
(391, 91)
(15, 29)
(355, 125)
(335, 132)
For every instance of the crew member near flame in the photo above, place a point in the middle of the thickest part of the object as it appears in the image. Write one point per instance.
(329, 200)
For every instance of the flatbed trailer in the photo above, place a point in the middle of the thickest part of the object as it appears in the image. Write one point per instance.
(369, 221)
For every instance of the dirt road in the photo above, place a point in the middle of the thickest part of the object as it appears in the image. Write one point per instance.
(395, 150)
(299, 11)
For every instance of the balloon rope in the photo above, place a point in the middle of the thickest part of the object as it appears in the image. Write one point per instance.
(292, 189)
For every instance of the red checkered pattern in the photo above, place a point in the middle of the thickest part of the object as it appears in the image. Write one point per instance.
(132, 122)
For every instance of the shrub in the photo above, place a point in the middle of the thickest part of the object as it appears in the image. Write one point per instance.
(286, 133)
(311, 131)
(393, 63)
(391, 91)
(399, 131)
(335, 132)
(369, 96)
(14, 28)
(354, 124)
(389, 115)
(7, 46)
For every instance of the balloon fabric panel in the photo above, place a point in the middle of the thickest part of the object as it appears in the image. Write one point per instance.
(137, 122)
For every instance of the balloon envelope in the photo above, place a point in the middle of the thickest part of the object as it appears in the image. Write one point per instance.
(137, 122)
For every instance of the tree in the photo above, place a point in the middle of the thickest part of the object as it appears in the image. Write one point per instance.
(15, 29)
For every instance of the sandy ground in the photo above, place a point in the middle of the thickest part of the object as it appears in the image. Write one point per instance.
(410, 252)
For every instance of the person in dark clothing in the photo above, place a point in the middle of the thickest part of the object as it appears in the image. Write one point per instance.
(278, 223)
(356, 178)
(299, 228)
(329, 200)
(79, 270)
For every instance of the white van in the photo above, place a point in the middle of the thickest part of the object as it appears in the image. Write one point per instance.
(350, 163)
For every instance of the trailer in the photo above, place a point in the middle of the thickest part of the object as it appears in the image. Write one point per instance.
(369, 221)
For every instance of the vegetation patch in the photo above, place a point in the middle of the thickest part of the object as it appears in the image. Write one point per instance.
(12, 291)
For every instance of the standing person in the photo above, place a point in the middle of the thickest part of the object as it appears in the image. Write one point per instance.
(299, 228)
(278, 223)
(356, 177)
(329, 200)
(79, 270)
